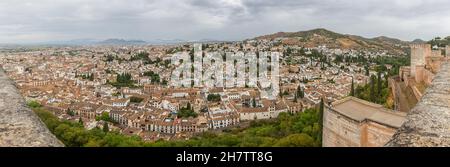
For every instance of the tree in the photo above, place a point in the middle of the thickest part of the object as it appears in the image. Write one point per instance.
(379, 85)
(104, 116)
(70, 112)
(367, 70)
(109, 58)
(186, 113)
(105, 127)
(372, 88)
(319, 136)
(254, 103)
(213, 97)
(164, 82)
(302, 51)
(34, 104)
(123, 80)
(80, 121)
(154, 77)
(189, 106)
(352, 89)
(91, 77)
(296, 140)
(135, 99)
(386, 80)
(301, 93)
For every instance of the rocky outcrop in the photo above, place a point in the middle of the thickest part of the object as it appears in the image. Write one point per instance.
(19, 126)
(428, 123)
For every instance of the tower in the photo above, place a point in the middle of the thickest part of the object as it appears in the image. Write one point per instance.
(418, 54)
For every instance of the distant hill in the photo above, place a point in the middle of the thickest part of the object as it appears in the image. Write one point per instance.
(388, 40)
(89, 41)
(121, 42)
(320, 36)
(418, 41)
(166, 41)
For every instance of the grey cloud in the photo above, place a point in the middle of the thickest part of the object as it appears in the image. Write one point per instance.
(23, 21)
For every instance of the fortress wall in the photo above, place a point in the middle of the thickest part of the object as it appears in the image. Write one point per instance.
(428, 77)
(419, 73)
(375, 134)
(340, 131)
(434, 63)
(436, 53)
(427, 123)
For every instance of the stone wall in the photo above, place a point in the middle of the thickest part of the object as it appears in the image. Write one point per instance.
(436, 53)
(420, 70)
(339, 130)
(19, 126)
(428, 123)
(434, 63)
(375, 135)
(416, 91)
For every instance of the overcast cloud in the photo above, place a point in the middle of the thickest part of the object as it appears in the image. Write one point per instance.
(27, 21)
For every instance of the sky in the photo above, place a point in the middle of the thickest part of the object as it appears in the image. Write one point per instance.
(29, 21)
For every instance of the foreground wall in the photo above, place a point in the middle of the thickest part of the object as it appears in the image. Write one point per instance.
(19, 126)
(428, 123)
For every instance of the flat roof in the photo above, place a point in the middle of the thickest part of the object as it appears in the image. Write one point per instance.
(359, 110)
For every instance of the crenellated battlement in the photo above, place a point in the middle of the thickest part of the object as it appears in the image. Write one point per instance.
(420, 45)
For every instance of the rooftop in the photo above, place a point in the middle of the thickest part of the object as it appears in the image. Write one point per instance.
(360, 110)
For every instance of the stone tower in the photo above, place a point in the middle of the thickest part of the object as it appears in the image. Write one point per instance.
(418, 54)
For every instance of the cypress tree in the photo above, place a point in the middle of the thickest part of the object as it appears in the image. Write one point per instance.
(319, 137)
(105, 127)
(188, 106)
(352, 89)
(302, 93)
(372, 88)
(386, 83)
(367, 70)
(379, 84)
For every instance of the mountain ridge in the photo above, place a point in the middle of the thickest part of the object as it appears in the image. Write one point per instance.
(321, 36)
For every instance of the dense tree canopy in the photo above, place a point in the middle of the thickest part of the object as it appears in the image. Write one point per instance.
(187, 112)
(213, 97)
(123, 80)
(154, 77)
(134, 99)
